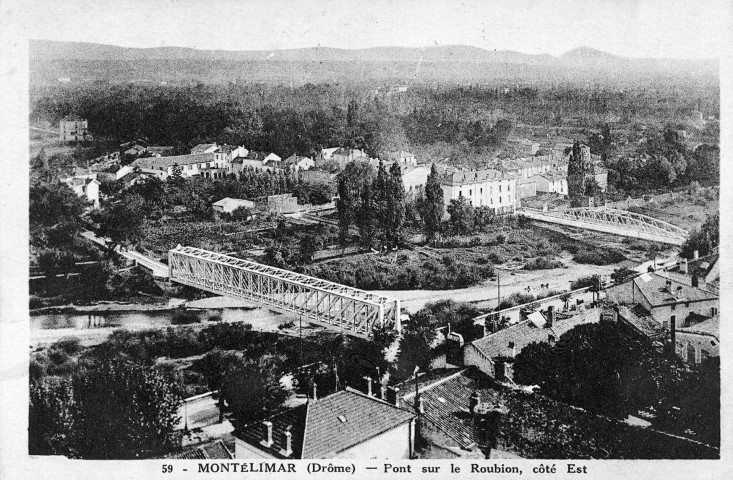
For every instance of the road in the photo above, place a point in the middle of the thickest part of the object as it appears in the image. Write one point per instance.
(160, 270)
(516, 282)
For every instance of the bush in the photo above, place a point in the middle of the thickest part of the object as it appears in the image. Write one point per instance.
(542, 263)
(69, 345)
(185, 317)
(598, 256)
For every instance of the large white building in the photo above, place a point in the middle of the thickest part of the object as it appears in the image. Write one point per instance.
(191, 165)
(481, 188)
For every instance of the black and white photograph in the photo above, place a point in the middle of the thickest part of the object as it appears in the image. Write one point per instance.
(483, 232)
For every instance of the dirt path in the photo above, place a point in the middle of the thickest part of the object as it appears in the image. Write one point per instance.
(517, 281)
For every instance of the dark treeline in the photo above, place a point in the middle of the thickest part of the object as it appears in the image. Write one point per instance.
(301, 120)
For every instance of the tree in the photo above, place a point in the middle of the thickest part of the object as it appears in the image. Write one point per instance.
(253, 390)
(216, 366)
(461, 215)
(576, 172)
(395, 212)
(176, 173)
(622, 275)
(352, 182)
(704, 240)
(604, 367)
(432, 207)
(120, 222)
(415, 348)
(115, 410)
(309, 245)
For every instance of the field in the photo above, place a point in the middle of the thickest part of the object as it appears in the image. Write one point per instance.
(686, 209)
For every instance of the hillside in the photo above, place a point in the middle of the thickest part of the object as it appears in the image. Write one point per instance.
(88, 62)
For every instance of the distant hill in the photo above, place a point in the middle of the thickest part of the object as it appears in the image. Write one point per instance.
(86, 62)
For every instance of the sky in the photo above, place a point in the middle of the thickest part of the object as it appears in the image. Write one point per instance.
(634, 28)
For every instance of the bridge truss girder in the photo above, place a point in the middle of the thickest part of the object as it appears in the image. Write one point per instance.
(619, 222)
(349, 310)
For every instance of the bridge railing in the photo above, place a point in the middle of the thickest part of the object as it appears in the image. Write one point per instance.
(336, 306)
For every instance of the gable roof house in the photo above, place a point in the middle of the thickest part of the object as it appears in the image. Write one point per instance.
(345, 424)
(204, 148)
(162, 167)
(297, 163)
(665, 299)
(494, 353)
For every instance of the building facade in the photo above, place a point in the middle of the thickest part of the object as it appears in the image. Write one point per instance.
(73, 130)
(481, 188)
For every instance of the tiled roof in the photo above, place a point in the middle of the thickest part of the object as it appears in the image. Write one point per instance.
(292, 420)
(472, 176)
(708, 327)
(523, 333)
(202, 147)
(639, 318)
(657, 294)
(233, 202)
(329, 425)
(365, 418)
(445, 404)
(216, 450)
(165, 162)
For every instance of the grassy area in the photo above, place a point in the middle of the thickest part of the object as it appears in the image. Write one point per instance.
(687, 209)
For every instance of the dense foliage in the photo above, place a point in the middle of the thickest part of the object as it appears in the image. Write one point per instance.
(112, 410)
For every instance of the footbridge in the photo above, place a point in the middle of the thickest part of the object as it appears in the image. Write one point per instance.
(613, 221)
(338, 307)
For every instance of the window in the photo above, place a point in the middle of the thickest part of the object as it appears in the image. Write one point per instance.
(712, 342)
(499, 199)
(482, 191)
(674, 305)
(460, 194)
(713, 311)
(470, 193)
(499, 188)
(508, 188)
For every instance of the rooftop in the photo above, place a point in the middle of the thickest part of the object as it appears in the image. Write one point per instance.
(472, 176)
(216, 450)
(709, 327)
(233, 202)
(500, 343)
(654, 288)
(327, 426)
(165, 162)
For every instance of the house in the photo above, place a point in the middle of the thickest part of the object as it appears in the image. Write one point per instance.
(327, 153)
(700, 341)
(665, 300)
(252, 159)
(204, 148)
(278, 204)
(345, 424)
(159, 151)
(405, 159)
(190, 165)
(344, 155)
(73, 129)
(297, 163)
(86, 186)
(494, 354)
(551, 183)
(524, 146)
(272, 160)
(703, 272)
(487, 187)
(526, 188)
(414, 180)
(228, 205)
(452, 404)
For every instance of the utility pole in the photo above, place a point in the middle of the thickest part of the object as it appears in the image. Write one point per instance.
(498, 288)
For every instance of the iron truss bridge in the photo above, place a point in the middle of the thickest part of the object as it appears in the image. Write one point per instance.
(611, 220)
(349, 310)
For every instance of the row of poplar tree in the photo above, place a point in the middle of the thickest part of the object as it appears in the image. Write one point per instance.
(374, 203)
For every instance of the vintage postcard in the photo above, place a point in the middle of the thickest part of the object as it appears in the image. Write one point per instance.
(375, 239)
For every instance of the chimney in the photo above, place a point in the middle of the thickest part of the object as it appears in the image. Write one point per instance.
(383, 392)
(267, 442)
(369, 385)
(668, 283)
(514, 349)
(695, 255)
(288, 444)
(473, 401)
(315, 391)
(695, 281)
(393, 396)
(683, 266)
(550, 316)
